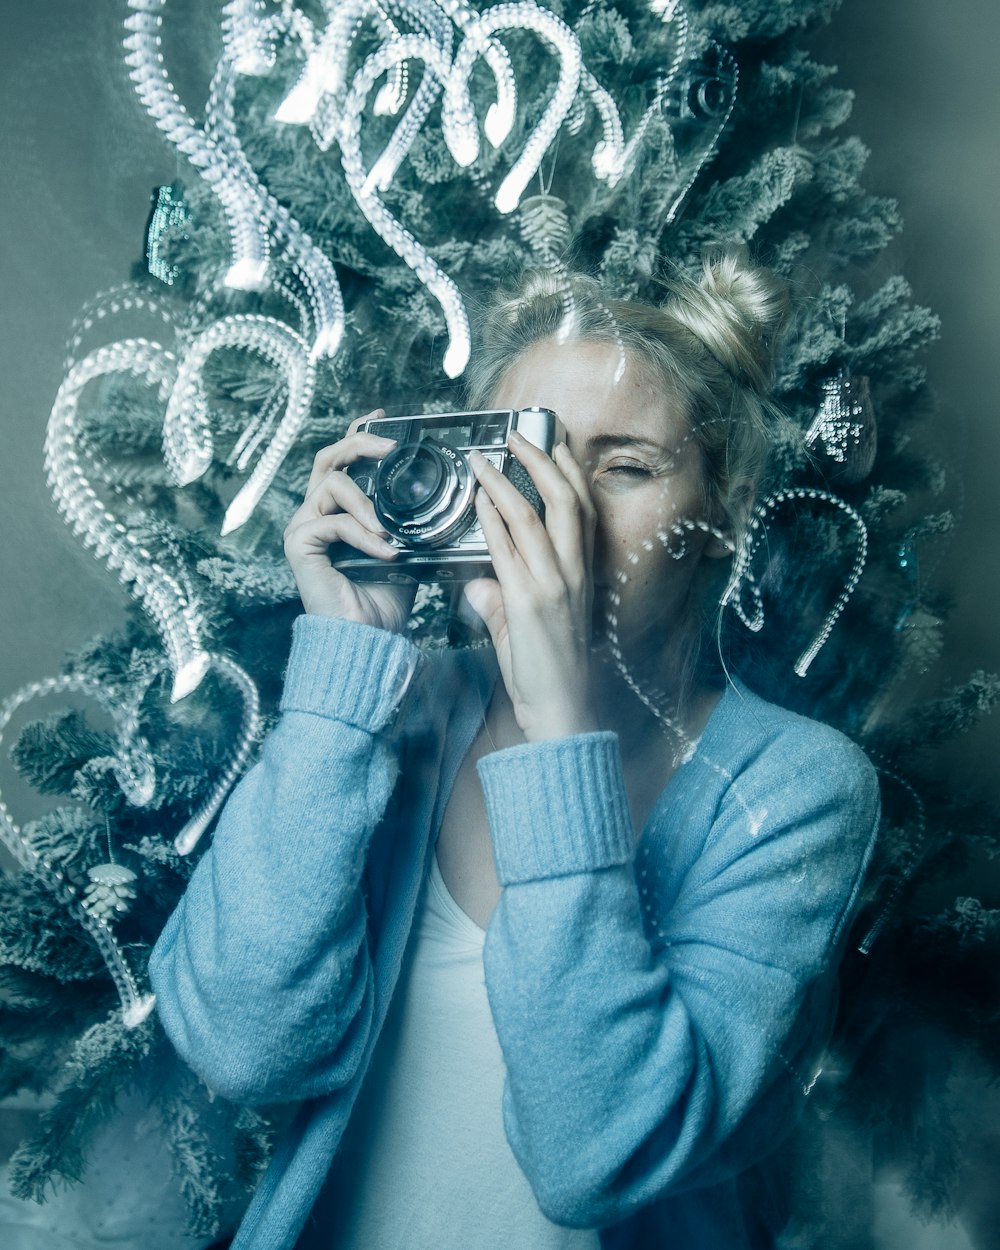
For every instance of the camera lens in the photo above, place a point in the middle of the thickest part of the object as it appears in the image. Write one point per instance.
(423, 493)
(412, 478)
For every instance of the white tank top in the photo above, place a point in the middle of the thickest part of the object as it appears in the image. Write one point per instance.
(425, 1163)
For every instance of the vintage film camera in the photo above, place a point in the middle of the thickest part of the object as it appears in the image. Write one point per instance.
(423, 490)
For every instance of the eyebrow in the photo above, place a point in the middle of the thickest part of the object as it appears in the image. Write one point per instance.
(602, 442)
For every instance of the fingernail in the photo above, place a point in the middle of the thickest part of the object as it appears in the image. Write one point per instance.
(515, 437)
(476, 459)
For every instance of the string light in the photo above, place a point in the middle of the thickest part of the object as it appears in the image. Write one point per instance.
(250, 38)
(523, 15)
(250, 729)
(381, 220)
(252, 213)
(187, 433)
(247, 231)
(742, 576)
(175, 615)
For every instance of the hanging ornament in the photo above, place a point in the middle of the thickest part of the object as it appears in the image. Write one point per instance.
(922, 639)
(169, 214)
(545, 224)
(844, 435)
(111, 891)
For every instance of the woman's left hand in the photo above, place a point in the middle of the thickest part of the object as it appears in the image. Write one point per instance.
(538, 610)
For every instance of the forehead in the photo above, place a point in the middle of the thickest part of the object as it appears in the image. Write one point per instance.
(595, 389)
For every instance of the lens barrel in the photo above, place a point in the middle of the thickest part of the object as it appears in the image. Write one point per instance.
(423, 493)
(414, 480)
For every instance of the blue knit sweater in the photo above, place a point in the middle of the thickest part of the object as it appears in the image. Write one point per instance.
(659, 999)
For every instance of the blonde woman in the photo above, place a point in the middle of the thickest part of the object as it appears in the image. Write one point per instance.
(541, 937)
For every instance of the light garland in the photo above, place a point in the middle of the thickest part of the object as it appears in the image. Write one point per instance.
(523, 15)
(177, 617)
(250, 729)
(381, 220)
(187, 435)
(742, 575)
(252, 213)
(248, 232)
(250, 39)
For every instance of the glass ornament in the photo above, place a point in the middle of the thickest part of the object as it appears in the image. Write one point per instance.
(844, 435)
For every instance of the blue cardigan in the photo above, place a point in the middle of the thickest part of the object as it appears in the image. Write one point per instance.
(660, 1001)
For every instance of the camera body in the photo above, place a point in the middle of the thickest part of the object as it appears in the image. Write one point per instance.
(423, 490)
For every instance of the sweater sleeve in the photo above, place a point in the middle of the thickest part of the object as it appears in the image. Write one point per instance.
(262, 974)
(644, 1060)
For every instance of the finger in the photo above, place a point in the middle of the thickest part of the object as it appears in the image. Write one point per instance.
(501, 546)
(314, 536)
(526, 530)
(485, 599)
(355, 445)
(568, 507)
(358, 422)
(337, 492)
(577, 478)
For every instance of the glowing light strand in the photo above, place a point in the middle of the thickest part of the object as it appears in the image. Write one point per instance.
(523, 15)
(251, 211)
(187, 436)
(250, 730)
(248, 233)
(613, 158)
(135, 782)
(311, 266)
(384, 169)
(379, 218)
(742, 576)
(123, 298)
(175, 614)
(251, 38)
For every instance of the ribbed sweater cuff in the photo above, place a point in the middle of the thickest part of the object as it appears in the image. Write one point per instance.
(347, 672)
(557, 807)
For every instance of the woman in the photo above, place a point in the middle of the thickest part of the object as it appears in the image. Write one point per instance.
(664, 864)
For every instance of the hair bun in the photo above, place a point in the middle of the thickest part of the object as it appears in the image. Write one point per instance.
(737, 311)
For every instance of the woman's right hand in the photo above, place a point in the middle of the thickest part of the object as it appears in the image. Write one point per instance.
(336, 510)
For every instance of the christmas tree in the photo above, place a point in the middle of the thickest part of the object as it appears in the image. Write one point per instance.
(359, 179)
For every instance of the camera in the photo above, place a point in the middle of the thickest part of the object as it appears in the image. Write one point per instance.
(423, 490)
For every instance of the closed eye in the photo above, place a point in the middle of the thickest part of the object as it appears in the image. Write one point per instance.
(638, 470)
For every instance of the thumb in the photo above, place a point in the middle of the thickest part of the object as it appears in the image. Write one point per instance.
(483, 596)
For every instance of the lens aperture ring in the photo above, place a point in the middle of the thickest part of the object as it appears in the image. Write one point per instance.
(423, 493)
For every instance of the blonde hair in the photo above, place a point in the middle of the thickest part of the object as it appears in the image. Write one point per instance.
(710, 344)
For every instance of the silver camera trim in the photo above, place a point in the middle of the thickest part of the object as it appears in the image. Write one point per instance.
(446, 556)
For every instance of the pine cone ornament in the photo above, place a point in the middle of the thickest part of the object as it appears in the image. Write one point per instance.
(922, 639)
(845, 434)
(545, 224)
(111, 891)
